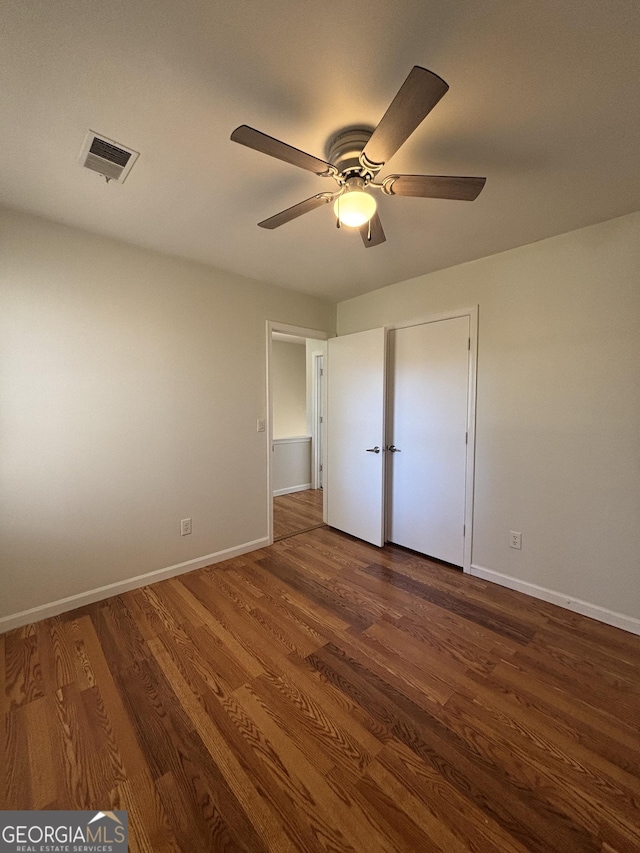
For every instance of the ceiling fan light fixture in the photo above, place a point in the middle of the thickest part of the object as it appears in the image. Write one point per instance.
(355, 206)
(356, 154)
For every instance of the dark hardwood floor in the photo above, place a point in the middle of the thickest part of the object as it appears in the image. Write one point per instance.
(324, 695)
(296, 512)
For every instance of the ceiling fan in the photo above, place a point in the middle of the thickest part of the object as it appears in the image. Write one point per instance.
(357, 154)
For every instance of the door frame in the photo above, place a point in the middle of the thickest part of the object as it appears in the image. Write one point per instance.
(302, 332)
(472, 314)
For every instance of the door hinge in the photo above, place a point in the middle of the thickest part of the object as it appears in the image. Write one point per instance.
(321, 372)
(321, 419)
(469, 344)
(464, 530)
(321, 467)
(466, 438)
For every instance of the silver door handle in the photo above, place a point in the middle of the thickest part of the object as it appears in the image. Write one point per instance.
(394, 449)
(375, 449)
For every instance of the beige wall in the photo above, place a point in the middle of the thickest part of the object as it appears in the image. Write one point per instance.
(288, 389)
(558, 409)
(130, 385)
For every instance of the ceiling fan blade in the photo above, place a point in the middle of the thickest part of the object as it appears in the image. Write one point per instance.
(434, 186)
(297, 210)
(377, 234)
(417, 96)
(259, 141)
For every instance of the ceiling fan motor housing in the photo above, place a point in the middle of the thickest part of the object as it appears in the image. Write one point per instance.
(344, 149)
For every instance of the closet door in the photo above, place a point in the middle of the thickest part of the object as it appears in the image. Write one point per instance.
(429, 378)
(355, 434)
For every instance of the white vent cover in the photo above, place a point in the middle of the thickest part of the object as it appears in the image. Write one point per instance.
(107, 157)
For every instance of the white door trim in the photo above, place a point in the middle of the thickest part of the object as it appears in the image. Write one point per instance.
(302, 332)
(472, 314)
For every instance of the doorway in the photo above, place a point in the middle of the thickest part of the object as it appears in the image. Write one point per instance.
(296, 401)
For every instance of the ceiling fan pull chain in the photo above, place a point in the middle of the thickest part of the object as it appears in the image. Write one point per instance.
(338, 217)
(369, 231)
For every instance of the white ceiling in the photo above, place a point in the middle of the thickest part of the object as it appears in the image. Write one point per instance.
(543, 100)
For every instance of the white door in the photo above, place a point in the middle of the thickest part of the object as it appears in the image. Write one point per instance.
(428, 429)
(354, 482)
(318, 421)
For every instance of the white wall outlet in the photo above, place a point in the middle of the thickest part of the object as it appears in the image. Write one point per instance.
(260, 425)
(515, 540)
(185, 527)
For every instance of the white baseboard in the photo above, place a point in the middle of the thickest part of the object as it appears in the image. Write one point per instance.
(291, 489)
(44, 611)
(610, 617)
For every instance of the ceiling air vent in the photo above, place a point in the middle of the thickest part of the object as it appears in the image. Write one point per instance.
(111, 159)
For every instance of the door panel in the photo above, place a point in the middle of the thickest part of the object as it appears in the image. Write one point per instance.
(354, 480)
(428, 424)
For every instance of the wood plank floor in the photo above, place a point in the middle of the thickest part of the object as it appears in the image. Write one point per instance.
(296, 512)
(324, 695)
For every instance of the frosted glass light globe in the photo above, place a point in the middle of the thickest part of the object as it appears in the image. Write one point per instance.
(354, 208)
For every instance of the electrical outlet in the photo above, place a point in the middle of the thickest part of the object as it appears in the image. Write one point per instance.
(185, 527)
(515, 540)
